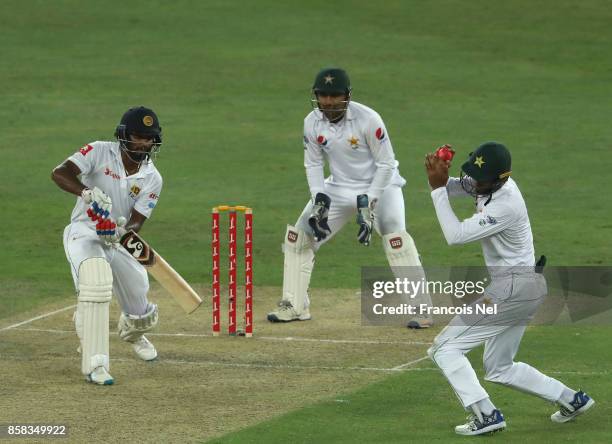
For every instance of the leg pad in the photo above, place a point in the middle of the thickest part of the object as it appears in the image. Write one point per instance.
(95, 284)
(299, 262)
(132, 327)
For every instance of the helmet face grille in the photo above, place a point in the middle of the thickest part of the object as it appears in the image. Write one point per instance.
(468, 184)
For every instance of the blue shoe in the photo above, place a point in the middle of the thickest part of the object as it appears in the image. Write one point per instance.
(581, 403)
(490, 423)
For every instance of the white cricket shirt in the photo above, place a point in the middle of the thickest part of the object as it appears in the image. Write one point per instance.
(502, 225)
(101, 166)
(357, 149)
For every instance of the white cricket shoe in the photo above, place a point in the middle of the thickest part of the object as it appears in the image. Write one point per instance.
(490, 423)
(100, 376)
(286, 313)
(144, 349)
(581, 403)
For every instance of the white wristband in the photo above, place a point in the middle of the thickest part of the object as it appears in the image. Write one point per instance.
(86, 195)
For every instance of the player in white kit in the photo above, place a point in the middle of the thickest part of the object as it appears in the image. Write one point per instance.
(517, 289)
(364, 181)
(115, 182)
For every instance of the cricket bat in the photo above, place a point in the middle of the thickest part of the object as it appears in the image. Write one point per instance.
(163, 273)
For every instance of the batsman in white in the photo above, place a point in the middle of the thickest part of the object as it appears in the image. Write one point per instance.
(517, 289)
(364, 181)
(115, 182)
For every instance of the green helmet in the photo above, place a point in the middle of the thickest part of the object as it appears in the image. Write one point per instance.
(332, 81)
(489, 163)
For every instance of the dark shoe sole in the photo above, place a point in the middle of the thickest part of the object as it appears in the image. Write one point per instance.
(273, 318)
(414, 325)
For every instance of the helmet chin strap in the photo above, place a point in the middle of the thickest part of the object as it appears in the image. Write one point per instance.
(495, 186)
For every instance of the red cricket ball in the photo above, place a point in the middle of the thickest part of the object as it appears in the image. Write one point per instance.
(445, 152)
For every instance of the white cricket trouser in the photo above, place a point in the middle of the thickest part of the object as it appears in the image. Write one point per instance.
(389, 211)
(517, 297)
(130, 280)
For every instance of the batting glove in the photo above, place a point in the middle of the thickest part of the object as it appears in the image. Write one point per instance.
(365, 219)
(109, 231)
(318, 217)
(100, 204)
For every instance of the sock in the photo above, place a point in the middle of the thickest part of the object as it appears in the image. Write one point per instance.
(484, 406)
(567, 395)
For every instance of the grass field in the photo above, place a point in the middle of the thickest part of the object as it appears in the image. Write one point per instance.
(230, 82)
(408, 407)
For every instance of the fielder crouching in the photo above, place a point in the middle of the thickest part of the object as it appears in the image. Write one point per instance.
(115, 182)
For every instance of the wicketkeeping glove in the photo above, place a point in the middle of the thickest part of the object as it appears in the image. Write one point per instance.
(100, 204)
(318, 217)
(365, 219)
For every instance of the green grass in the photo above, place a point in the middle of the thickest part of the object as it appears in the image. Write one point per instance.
(419, 406)
(230, 82)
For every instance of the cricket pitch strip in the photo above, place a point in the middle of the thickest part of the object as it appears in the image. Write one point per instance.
(200, 386)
